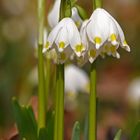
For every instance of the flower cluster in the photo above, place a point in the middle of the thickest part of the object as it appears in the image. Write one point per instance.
(99, 35)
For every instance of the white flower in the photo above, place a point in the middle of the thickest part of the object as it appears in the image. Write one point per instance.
(65, 38)
(53, 17)
(75, 80)
(102, 34)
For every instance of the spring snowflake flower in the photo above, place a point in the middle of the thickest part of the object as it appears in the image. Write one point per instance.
(65, 38)
(55, 13)
(102, 34)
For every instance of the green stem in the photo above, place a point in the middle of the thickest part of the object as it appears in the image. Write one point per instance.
(47, 83)
(92, 98)
(59, 105)
(97, 3)
(41, 86)
(92, 103)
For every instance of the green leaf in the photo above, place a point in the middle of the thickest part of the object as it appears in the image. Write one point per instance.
(136, 132)
(43, 134)
(25, 120)
(82, 13)
(76, 131)
(50, 124)
(118, 135)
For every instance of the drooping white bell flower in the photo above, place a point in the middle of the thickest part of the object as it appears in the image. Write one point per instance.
(65, 36)
(102, 34)
(53, 17)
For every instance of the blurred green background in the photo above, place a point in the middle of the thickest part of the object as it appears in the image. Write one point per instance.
(18, 33)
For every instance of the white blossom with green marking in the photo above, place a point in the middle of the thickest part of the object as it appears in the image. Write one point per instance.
(65, 38)
(101, 34)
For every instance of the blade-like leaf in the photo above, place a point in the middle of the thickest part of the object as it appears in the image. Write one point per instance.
(43, 134)
(118, 135)
(25, 120)
(136, 132)
(76, 131)
(50, 124)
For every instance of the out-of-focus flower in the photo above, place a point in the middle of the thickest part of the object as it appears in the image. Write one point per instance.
(55, 13)
(134, 92)
(65, 38)
(76, 80)
(102, 34)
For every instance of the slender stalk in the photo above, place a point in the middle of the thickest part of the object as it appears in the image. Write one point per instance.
(92, 98)
(59, 108)
(97, 3)
(41, 86)
(47, 82)
(92, 103)
(59, 104)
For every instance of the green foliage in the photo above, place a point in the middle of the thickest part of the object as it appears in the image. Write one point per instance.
(136, 132)
(76, 131)
(27, 124)
(118, 135)
(43, 134)
(25, 120)
(50, 125)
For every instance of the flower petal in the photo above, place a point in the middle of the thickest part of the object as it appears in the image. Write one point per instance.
(54, 33)
(76, 18)
(74, 38)
(53, 17)
(83, 34)
(98, 28)
(62, 39)
(121, 34)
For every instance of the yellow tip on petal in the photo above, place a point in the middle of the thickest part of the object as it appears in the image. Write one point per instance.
(113, 49)
(79, 48)
(97, 40)
(124, 42)
(77, 23)
(47, 45)
(92, 53)
(113, 37)
(61, 45)
(62, 56)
